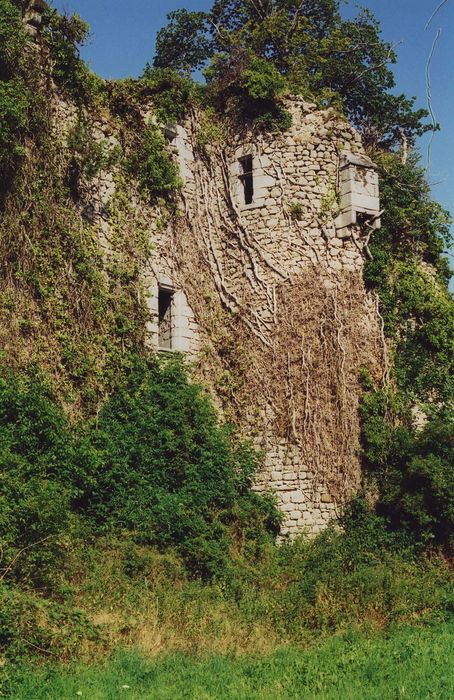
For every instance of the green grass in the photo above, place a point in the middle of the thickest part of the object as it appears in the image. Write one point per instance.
(414, 663)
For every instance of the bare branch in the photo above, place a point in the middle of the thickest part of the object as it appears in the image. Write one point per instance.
(378, 65)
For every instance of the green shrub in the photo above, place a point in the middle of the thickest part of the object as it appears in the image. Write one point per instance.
(152, 165)
(415, 303)
(156, 464)
(170, 473)
(12, 39)
(249, 87)
(364, 576)
(269, 117)
(173, 93)
(411, 468)
(262, 80)
(253, 50)
(45, 470)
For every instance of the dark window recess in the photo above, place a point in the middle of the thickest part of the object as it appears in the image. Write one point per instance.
(170, 133)
(247, 178)
(363, 219)
(165, 318)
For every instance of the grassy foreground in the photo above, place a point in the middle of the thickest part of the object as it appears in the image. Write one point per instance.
(414, 663)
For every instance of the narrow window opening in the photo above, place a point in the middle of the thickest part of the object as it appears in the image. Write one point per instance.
(165, 299)
(247, 178)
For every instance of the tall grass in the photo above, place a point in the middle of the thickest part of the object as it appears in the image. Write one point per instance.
(117, 593)
(405, 663)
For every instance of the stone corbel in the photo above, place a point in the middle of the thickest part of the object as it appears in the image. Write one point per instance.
(359, 199)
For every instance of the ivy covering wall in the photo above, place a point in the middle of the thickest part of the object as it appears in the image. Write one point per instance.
(79, 390)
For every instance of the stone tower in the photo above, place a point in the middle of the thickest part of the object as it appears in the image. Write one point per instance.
(257, 278)
(260, 281)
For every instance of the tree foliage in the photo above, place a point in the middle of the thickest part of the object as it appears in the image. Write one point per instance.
(412, 466)
(64, 34)
(316, 52)
(185, 43)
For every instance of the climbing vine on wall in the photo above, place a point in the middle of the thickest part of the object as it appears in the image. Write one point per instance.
(64, 303)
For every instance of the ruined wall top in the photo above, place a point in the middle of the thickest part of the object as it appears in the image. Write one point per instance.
(32, 13)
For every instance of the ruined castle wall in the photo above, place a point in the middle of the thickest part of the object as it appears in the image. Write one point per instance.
(266, 297)
(285, 323)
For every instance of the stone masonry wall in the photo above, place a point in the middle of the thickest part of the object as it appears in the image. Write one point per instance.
(315, 206)
(267, 298)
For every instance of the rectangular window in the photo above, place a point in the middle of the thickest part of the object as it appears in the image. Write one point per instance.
(247, 178)
(165, 302)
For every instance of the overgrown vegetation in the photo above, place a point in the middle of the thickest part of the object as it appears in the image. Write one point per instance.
(152, 164)
(118, 590)
(140, 526)
(126, 510)
(254, 53)
(410, 662)
(63, 35)
(64, 304)
(408, 427)
(155, 463)
(59, 307)
(15, 93)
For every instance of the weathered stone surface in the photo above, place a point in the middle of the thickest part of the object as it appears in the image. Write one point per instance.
(224, 259)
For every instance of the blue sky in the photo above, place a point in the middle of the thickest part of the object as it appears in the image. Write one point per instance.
(123, 36)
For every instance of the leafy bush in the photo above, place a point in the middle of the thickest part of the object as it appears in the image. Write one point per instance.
(249, 87)
(172, 93)
(45, 470)
(170, 474)
(156, 464)
(412, 469)
(262, 80)
(269, 117)
(151, 163)
(14, 104)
